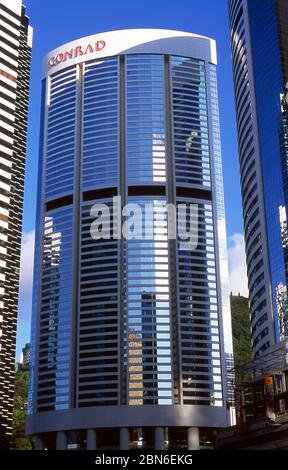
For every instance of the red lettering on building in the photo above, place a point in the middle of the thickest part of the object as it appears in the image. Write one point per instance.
(89, 49)
(68, 54)
(51, 61)
(59, 58)
(99, 45)
(78, 51)
(75, 52)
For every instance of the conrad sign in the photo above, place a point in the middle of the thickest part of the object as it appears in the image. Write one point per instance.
(75, 52)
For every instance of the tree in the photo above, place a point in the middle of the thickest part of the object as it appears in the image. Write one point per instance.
(19, 440)
(241, 335)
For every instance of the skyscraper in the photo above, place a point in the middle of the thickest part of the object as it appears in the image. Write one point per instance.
(259, 41)
(15, 52)
(130, 335)
(25, 356)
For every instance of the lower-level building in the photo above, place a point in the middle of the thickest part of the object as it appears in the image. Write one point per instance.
(257, 435)
(261, 406)
(165, 427)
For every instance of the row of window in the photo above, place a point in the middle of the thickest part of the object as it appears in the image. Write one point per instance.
(55, 329)
(145, 124)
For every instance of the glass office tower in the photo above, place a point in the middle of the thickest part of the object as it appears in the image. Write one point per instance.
(130, 338)
(259, 42)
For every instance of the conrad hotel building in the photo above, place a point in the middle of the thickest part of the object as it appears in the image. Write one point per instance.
(130, 338)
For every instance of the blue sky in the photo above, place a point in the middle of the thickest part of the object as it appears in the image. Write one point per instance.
(56, 22)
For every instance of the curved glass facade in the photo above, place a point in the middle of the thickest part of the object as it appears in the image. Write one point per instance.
(145, 119)
(100, 145)
(260, 74)
(99, 326)
(55, 323)
(199, 316)
(251, 174)
(190, 122)
(147, 325)
(61, 128)
(129, 323)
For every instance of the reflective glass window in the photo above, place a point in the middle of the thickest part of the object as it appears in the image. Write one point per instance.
(145, 119)
(61, 134)
(55, 334)
(191, 149)
(100, 145)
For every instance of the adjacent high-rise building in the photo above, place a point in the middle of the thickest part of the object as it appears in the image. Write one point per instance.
(15, 56)
(130, 337)
(259, 41)
(25, 356)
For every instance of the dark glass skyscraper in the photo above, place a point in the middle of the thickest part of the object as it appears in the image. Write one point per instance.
(259, 41)
(15, 56)
(130, 335)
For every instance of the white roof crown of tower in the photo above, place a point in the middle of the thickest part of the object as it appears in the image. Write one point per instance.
(130, 41)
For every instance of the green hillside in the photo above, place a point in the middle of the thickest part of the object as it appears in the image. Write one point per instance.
(240, 331)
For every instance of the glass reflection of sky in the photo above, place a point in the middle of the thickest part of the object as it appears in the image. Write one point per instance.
(148, 314)
(146, 155)
(57, 270)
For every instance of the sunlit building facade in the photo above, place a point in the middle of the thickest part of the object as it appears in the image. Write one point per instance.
(259, 43)
(130, 338)
(15, 59)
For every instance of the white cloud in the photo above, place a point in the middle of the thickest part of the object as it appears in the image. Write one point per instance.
(237, 264)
